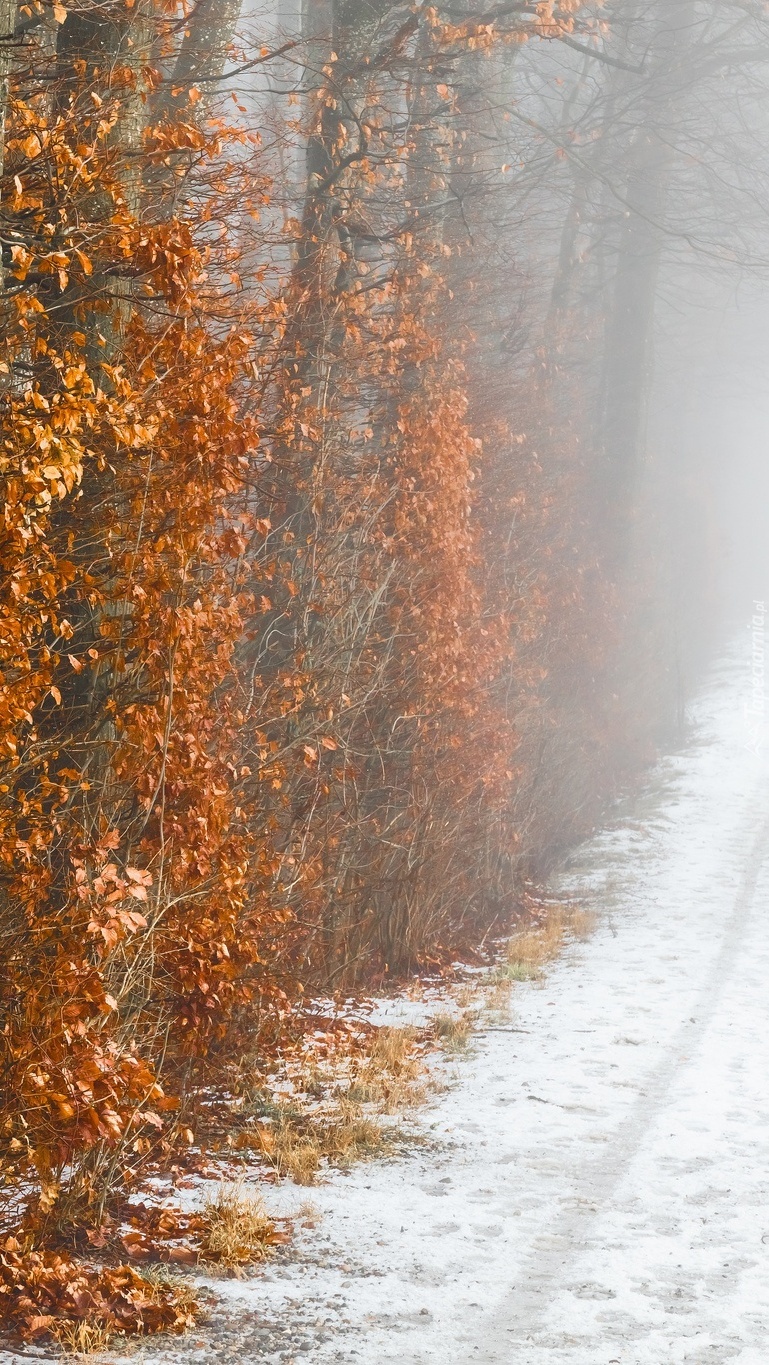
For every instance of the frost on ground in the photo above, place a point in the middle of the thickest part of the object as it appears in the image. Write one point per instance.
(595, 1186)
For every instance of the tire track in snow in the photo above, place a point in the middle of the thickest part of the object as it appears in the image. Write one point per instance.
(521, 1317)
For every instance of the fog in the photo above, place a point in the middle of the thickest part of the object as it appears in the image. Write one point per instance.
(711, 411)
(595, 181)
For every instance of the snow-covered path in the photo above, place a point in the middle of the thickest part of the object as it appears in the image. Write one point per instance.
(600, 1188)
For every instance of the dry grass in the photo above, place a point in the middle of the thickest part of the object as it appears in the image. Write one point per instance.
(454, 1031)
(331, 1119)
(238, 1231)
(82, 1339)
(496, 1005)
(294, 1150)
(468, 996)
(581, 923)
(353, 1136)
(160, 1278)
(529, 952)
(311, 1079)
(392, 1049)
(390, 1075)
(297, 1144)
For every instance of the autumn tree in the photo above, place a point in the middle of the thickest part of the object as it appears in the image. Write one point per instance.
(322, 421)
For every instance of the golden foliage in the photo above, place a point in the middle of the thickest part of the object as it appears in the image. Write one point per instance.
(44, 1293)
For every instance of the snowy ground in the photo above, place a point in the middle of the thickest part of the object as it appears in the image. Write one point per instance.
(596, 1187)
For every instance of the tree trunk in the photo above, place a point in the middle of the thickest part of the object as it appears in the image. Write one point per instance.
(629, 337)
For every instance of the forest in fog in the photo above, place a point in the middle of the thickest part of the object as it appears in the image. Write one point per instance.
(368, 515)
